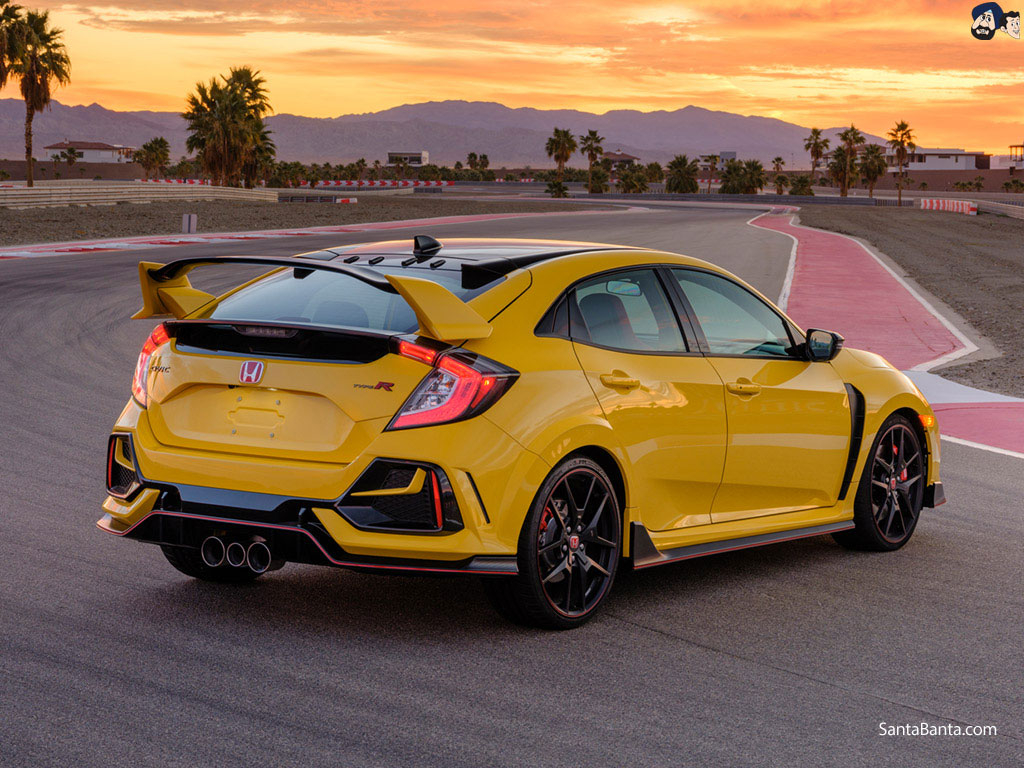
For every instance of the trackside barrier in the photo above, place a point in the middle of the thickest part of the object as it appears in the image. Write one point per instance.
(376, 183)
(954, 206)
(111, 194)
(174, 181)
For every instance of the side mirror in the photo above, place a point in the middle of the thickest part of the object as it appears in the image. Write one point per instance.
(822, 345)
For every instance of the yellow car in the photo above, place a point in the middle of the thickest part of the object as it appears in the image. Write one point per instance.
(534, 412)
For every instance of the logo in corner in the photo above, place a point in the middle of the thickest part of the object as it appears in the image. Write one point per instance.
(989, 18)
(251, 372)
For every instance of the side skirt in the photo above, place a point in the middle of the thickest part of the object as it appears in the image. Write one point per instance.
(646, 555)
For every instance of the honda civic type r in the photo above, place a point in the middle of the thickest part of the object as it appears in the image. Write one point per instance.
(539, 413)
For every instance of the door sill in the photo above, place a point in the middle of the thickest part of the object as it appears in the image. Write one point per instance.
(646, 555)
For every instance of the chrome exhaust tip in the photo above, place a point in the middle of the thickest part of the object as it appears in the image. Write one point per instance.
(212, 551)
(258, 558)
(235, 554)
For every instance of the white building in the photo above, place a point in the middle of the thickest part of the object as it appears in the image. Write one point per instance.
(90, 151)
(942, 160)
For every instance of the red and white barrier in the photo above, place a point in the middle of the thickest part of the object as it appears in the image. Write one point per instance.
(954, 206)
(174, 181)
(376, 183)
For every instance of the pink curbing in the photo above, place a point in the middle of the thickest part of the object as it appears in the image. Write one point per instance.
(839, 286)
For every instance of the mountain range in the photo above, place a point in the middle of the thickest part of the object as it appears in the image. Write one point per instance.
(448, 130)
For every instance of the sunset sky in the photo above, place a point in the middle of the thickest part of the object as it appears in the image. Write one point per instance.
(821, 64)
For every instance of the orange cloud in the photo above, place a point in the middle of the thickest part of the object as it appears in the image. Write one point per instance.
(810, 63)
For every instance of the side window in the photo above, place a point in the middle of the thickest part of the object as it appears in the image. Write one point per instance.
(625, 310)
(734, 321)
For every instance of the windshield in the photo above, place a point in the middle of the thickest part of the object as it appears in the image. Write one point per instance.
(330, 299)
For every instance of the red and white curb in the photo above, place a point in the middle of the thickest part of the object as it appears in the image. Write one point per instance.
(953, 206)
(161, 241)
(835, 281)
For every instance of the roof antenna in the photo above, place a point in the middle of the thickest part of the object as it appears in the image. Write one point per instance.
(424, 247)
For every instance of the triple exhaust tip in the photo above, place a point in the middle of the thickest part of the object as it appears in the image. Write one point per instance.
(236, 554)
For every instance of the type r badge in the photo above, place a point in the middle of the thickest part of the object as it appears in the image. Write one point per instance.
(251, 372)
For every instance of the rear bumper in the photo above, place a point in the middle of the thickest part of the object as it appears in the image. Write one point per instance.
(299, 543)
(183, 493)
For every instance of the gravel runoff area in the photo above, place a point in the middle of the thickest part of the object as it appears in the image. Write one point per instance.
(973, 263)
(43, 225)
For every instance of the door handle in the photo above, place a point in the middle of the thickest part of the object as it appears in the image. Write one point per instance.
(743, 387)
(616, 381)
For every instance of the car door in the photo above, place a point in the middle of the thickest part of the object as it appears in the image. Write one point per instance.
(662, 397)
(789, 419)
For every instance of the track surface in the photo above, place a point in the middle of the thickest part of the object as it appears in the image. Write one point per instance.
(788, 655)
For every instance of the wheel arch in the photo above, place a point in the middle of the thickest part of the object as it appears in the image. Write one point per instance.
(607, 461)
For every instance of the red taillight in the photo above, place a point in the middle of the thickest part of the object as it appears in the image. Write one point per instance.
(156, 339)
(417, 352)
(453, 391)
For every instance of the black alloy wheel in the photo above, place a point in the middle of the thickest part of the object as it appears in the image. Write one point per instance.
(568, 550)
(891, 492)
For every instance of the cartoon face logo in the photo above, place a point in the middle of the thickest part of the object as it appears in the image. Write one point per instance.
(1011, 24)
(985, 17)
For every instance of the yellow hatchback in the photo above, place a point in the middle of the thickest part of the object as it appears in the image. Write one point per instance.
(534, 412)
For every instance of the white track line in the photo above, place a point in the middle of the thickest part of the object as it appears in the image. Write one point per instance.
(787, 284)
(982, 446)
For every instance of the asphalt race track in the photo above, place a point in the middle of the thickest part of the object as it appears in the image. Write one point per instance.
(788, 655)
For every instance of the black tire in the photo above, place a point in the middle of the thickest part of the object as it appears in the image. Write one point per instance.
(890, 494)
(190, 562)
(560, 585)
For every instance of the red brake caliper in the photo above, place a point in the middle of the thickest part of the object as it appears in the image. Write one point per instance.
(895, 454)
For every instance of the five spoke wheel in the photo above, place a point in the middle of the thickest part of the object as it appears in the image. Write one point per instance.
(577, 542)
(897, 483)
(891, 491)
(568, 550)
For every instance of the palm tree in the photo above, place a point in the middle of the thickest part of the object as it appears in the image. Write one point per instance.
(597, 180)
(375, 173)
(843, 168)
(483, 162)
(11, 33)
(557, 189)
(817, 145)
(901, 141)
(872, 166)
(226, 128)
(560, 147)
(801, 185)
(682, 175)
(154, 156)
(40, 62)
(780, 181)
(70, 156)
(852, 140)
(472, 160)
(712, 161)
(360, 166)
(654, 172)
(591, 146)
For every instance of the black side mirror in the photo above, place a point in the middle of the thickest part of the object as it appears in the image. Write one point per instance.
(822, 345)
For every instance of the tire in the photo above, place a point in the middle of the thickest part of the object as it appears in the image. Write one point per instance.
(890, 494)
(190, 562)
(560, 584)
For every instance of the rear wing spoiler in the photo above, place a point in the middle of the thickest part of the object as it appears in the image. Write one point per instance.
(166, 290)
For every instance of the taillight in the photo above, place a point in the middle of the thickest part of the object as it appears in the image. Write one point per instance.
(461, 386)
(156, 339)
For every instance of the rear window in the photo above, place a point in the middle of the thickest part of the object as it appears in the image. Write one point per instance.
(330, 299)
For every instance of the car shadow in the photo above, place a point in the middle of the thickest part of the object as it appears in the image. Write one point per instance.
(306, 599)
